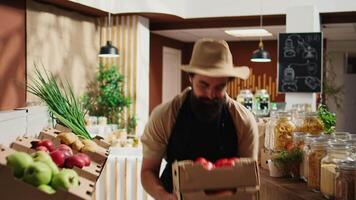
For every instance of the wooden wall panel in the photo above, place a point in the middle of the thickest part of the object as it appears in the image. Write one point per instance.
(12, 54)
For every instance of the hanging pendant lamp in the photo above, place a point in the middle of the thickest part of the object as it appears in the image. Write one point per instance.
(108, 51)
(260, 55)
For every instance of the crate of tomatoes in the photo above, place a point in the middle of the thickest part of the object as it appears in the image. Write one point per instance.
(228, 178)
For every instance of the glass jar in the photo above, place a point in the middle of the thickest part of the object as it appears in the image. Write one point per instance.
(309, 122)
(345, 180)
(352, 144)
(268, 143)
(336, 152)
(282, 131)
(245, 97)
(308, 138)
(261, 104)
(342, 135)
(298, 139)
(318, 149)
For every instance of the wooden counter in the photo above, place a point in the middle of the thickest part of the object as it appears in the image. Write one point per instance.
(284, 188)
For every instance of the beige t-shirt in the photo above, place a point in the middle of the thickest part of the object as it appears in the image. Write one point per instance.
(161, 122)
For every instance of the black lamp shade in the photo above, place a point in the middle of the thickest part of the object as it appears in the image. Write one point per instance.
(108, 50)
(260, 55)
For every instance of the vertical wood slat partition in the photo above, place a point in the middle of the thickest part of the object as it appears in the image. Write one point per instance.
(123, 35)
(253, 83)
(121, 180)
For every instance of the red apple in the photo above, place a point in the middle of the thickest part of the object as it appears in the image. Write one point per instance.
(58, 157)
(75, 160)
(85, 158)
(46, 143)
(206, 164)
(42, 148)
(66, 150)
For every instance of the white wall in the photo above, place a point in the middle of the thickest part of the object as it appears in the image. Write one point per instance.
(22, 122)
(143, 62)
(345, 116)
(213, 8)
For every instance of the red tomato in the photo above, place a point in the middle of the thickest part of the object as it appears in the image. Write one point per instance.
(206, 164)
(225, 162)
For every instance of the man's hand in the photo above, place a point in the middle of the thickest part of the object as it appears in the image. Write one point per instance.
(150, 181)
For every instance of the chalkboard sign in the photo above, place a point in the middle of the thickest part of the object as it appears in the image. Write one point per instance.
(300, 62)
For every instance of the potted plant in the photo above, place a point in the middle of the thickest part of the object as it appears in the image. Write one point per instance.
(105, 95)
(288, 161)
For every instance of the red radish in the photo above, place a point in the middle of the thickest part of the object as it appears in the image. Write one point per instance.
(85, 158)
(58, 157)
(42, 148)
(46, 143)
(75, 160)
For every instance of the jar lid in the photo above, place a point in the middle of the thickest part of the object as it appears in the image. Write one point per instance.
(351, 142)
(308, 138)
(319, 142)
(347, 165)
(337, 145)
(298, 134)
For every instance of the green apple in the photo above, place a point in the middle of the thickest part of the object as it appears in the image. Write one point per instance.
(19, 161)
(46, 158)
(38, 173)
(65, 179)
(47, 189)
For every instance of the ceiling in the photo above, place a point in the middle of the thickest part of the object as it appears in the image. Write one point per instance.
(339, 31)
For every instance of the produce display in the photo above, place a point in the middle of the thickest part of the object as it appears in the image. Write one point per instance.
(82, 145)
(62, 156)
(40, 171)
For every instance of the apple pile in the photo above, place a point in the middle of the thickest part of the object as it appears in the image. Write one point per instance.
(40, 171)
(63, 155)
(82, 145)
(224, 162)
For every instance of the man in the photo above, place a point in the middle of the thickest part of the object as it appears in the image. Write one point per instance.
(202, 121)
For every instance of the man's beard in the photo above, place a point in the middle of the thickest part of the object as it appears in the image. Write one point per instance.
(205, 109)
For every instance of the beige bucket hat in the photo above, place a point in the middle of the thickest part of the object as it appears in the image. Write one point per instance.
(213, 58)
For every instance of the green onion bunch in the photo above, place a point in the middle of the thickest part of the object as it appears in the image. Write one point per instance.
(61, 102)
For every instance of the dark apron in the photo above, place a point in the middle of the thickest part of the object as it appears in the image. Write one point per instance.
(191, 139)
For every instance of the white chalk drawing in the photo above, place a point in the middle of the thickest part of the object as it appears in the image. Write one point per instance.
(310, 53)
(289, 82)
(300, 70)
(288, 49)
(302, 47)
(312, 82)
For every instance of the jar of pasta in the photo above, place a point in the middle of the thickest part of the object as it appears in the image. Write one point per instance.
(336, 152)
(309, 122)
(318, 149)
(308, 138)
(282, 131)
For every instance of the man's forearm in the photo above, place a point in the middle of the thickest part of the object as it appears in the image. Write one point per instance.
(153, 185)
